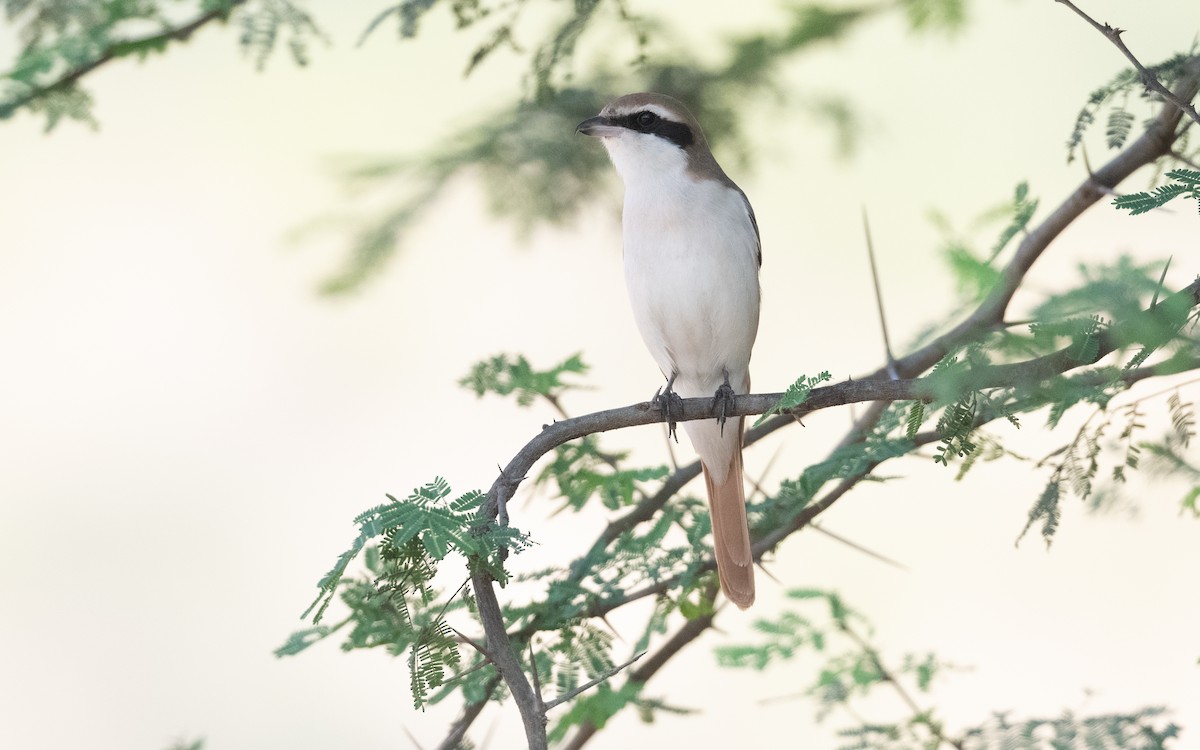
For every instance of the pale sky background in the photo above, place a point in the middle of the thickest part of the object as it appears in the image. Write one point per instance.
(187, 429)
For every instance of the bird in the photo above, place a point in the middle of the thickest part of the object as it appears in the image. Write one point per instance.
(692, 255)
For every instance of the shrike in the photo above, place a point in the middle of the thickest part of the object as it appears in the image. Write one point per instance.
(692, 255)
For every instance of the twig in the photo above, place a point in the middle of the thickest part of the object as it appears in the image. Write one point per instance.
(471, 712)
(1183, 158)
(758, 490)
(839, 394)
(688, 632)
(886, 676)
(591, 683)
(1149, 80)
(112, 52)
(1157, 140)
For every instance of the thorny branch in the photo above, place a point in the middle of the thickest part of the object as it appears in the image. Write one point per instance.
(1149, 80)
(1155, 142)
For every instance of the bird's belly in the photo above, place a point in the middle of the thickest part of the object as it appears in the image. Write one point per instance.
(695, 299)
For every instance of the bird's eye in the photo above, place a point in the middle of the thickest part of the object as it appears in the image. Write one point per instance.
(646, 119)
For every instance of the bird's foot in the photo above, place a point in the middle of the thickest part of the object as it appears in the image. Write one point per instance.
(723, 402)
(670, 404)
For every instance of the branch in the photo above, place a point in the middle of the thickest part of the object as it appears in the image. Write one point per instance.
(840, 394)
(471, 712)
(117, 50)
(688, 632)
(591, 683)
(887, 676)
(1155, 142)
(504, 655)
(768, 542)
(1149, 80)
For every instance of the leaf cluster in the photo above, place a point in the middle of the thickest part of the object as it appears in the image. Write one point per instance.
(795, 395)
(974, 269)
(851, 668)
(61, 41)
(1184, 182)
(1077, 466)
(394, 604)
(506, 375)
(1145, 729)
(1117, 100)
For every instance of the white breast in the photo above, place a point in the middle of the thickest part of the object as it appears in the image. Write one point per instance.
(691, 266)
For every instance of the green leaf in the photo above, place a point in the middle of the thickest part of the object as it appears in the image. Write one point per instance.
(916, 414)
(1046, 510)
(796, 394)
(1189, 503)
(505, 375)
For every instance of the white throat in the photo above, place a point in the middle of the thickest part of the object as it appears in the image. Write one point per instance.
(645, 160)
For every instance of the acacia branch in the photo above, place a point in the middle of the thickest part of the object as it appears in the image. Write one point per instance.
(824, 397)
(114, 51)
(471, 712)
(688, 632)
(529, 703)
(592, 683)
(1155, 142)
(1149, 80)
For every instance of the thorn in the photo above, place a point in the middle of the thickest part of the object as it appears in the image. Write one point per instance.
(604, 619)
(467, 639)
(892, 370)
(1161, 279)
(537, 681)
(766, 572)
(857, 546)
(411, 738)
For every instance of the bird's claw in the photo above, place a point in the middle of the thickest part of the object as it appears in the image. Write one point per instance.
(670, 404)
(723, 402)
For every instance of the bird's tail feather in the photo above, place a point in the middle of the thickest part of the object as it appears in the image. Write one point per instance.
(731, 535)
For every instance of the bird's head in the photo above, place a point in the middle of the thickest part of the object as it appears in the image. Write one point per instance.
(650, 134)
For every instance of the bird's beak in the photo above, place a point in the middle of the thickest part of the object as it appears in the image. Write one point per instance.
(599, 127)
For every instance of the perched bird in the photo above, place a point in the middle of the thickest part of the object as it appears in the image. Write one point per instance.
(692, 255)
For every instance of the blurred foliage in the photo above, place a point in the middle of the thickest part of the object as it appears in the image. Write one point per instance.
(1122, 100)
(853, 670)
(62, 41)
(504, 375)
(533, 170)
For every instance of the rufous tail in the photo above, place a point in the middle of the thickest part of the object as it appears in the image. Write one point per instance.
(731, 535)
